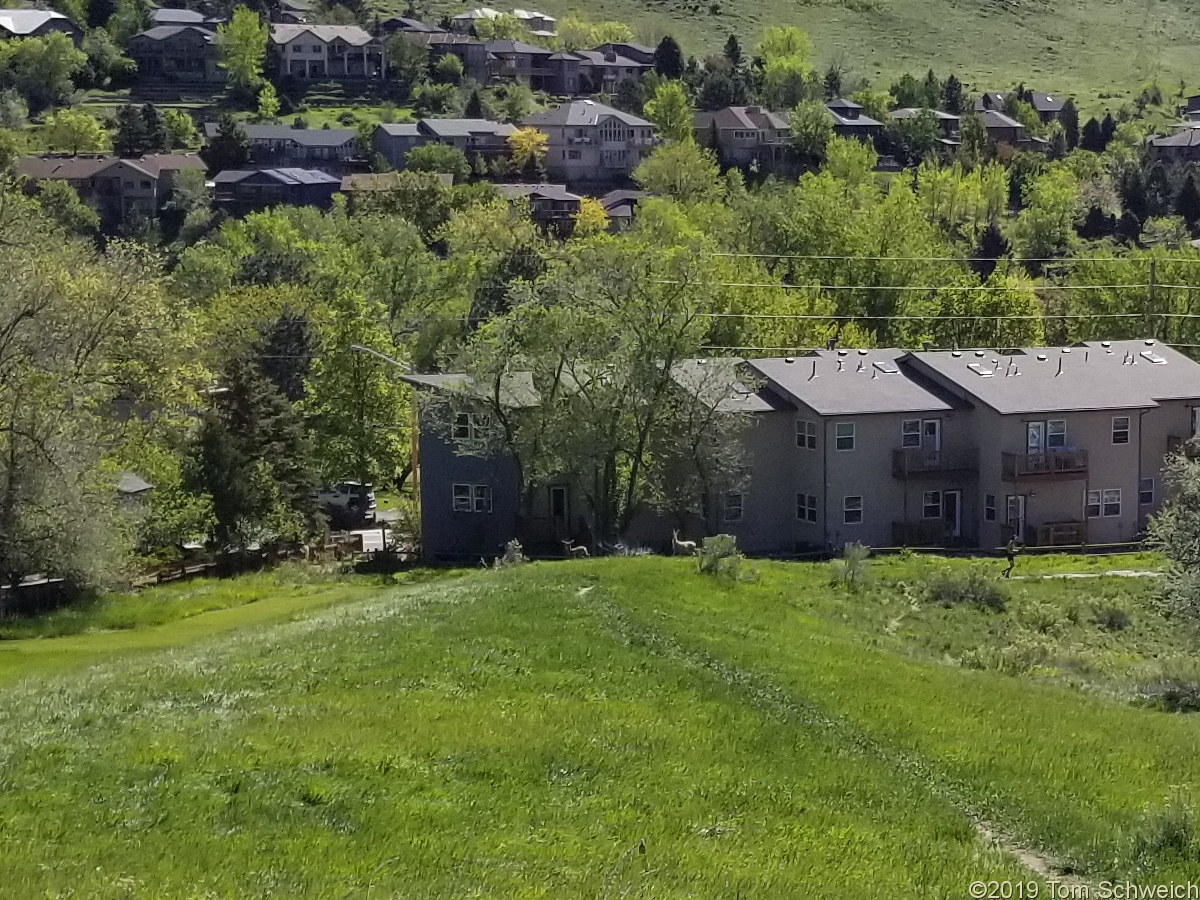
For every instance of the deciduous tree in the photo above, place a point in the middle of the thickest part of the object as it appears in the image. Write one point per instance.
(242, 43)
(671, 112)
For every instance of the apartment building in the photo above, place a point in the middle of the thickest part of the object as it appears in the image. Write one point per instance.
(1059, 446)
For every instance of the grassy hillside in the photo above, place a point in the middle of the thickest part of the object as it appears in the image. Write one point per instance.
(1083, 46)
(612, 728)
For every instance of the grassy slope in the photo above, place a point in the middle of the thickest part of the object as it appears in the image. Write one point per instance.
(1083, 46)
(513, 734)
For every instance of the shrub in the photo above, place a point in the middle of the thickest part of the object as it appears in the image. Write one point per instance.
(720, 556)
(1044, 618)
(1018, 658)
(951, 589)
(1179, 695)
(1111, 618)
(850, 571)
(1168, 830)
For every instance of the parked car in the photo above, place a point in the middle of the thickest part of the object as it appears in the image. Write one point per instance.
(347, 499)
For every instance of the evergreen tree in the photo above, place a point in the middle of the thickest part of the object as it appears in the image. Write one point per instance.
(1058, 144)
(1187, 204)
(99, 12)
(230, 147)
(931, 90)
(833, 82)
(1069, 117)
(952, 95)
(1129, 228)
(733, 52)
(474, 107)
(1096, 224)
(668, 59)
(992, 246)
(130, 136)
(1108, 128)
(907, 91)
(1133, 195)
(1092, 136)
(154, 127)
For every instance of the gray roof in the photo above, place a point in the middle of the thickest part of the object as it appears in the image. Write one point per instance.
(507, 46)
(849, 382)
(622, 197)
(131, 483)
(580, 113)
(846, 113)
(1189, 137)
(517, 390)
(1047, 102)
(27, 21)
(305, 137)
(399, 129)
(993, 119)
(546, 191)
(351, 34)
(1092, 376)
(911, 112)
(718, 382)
(741, 117)
(404, 23)
(288, 176)
(162, 32)
(168, 16)
(465, 127)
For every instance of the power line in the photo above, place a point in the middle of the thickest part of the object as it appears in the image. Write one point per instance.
(992, 259)
(925, 288)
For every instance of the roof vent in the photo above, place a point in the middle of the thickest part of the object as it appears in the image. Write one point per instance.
(1041, 357)
(1106, 344)
(789, 359)
(1152, 357)
(887, 368)
(980, 370)
(980, 354)
(955, 353)
(862, 352)
(1150, 343)
(702, 362)
(842, 352)
(1066, 349)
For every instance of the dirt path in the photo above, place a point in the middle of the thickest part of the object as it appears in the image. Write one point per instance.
(1113, 573)
(1036, 862)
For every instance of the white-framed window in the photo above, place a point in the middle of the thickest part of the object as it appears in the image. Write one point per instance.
(852, 510)
(1112, 502)
(469, 426)
(910, 433)
(989, 507)
(931, 505)
(1056, 433)
(731, 511)
(1092, 507)
(806, 434)
(1120, 431)
(806, 507)
(844, 434)
(1146, 491)
(472, 498)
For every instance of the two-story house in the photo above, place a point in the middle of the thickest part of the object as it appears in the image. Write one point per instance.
(240, 191)
(741, 135)
(1056, 445)
(475, 137)
(588, 142)
(543, 70)
(331, 149)
(166, 15)
(339, 52)
(118, 189)
(948, 123)
(22, 23)
(550, 205)
(849, 120)
(602, 70)
(176, 54)
(1183, 146)
(1002, 129)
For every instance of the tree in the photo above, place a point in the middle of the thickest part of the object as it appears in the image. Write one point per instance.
(130, 136)
(14, 111)
(591, 218)
(1045, 226)
(907, 92)
(129, 17)
(268, 103)
(1175, 529)
(181, 130)
(1187, 204)
(74, 131)
(733, 52)
(682, 171)
(630, 96)
(784, 42)
(992, 246)
(812, 129)
(448, 69)
(154, 126)
(408, 61)
(833, 82)
(242, 46)
(668, 59)
(1108, 128)
(474, 108)
(1092, 136)
(952, 95)
(440, 159)
(528, 148)
(518, 101)
(229, 148)
(916, 137)
(931, 91)
(41, 69)
(670, 112)
(434, 100)
(1069, 118)
(107, 66)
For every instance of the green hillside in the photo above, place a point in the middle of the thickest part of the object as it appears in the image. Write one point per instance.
(1082, 46)
(611, 728)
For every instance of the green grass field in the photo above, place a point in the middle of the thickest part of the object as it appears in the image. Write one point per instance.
(600, 729)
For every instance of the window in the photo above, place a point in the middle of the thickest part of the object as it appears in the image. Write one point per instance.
(472, 498)
(1093, 505)
(1121, 429)
(1112, 502)
(470, 426)
(296, 48)
(732, 511)
(910, 433)
(989, 507)
(1056, 433)
(931, 505)
(806, 507)
(574, 154)
(1146, 491)
(806, 434)
(845, 435)
(852, 510)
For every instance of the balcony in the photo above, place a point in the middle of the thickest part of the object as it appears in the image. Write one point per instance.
(912, 462)
(1057, 463)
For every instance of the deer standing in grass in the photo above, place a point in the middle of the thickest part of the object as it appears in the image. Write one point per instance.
(685, 547)
(573, 550)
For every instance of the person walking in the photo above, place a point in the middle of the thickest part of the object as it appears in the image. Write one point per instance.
(1011, 549)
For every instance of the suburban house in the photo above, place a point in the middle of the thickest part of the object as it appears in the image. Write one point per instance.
(550, 205)
(637, 52)
(621, 206)
(470, 51)
(118, 189)
(538, 24)
(992, 100)
(21, 23)
(472, 136)
(591, 142)
(602, 70)
(947, 122)
(542, 70)
(290, 12)
(1191, 108)
(849, 120)
(742, 135)
(327, 52)
(177, 54)
(407, 26)
(1002, 129)
(165, 15)
(1049, 107)
(1055, 445)
(1183, 146)
(280, 145)
(240, 191)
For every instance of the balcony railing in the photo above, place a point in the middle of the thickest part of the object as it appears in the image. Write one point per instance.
(1057, 463)
(908, 462)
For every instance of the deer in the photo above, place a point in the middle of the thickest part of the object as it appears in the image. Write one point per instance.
(678, 546)
(573, 550)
